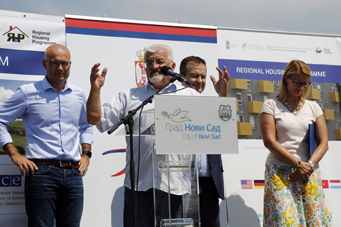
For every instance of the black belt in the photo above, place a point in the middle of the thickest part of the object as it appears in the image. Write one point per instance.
(202, 179)
(58, 163)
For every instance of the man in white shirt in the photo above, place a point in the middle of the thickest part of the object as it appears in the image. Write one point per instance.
(109, 114)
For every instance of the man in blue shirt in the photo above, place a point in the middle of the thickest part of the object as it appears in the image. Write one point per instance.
(210, 167)
(54, 114)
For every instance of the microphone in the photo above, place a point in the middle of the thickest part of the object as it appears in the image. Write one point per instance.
(169, 72)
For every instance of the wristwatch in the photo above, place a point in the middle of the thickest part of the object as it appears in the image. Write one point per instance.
(88, 153)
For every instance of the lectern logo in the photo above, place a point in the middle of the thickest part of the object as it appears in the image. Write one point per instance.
(178, 116)
(225, 112)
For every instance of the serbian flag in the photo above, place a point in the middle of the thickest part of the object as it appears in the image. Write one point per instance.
(325, 184)
(335, 184)
(246, 184)
(259, 184)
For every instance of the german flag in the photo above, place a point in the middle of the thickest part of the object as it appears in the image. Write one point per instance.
(258, 184)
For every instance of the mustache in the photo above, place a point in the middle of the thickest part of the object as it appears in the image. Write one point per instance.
(155, 71)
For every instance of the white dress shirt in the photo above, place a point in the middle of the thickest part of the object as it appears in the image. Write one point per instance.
(118, 108)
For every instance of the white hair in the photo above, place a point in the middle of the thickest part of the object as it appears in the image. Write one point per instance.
(156, 47)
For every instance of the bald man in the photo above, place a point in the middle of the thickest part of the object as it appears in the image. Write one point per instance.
(54, 114)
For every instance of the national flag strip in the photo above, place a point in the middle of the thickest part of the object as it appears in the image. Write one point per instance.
(141, 31)
(335, 184)
(246, 184)
(259, 184)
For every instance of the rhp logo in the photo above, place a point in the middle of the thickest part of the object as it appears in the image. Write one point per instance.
(225, 112)
(15, 35)
(10, 180)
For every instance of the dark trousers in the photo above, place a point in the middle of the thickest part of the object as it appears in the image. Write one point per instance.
(54, 193)
(209, 203)
(145, 215)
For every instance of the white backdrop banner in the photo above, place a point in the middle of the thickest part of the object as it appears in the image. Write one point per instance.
(24, 38)
(263, 55)
(119, 45)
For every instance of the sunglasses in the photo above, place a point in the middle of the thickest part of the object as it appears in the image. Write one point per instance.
(299, 83)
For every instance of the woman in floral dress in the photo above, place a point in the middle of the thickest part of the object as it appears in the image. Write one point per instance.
(293, 194)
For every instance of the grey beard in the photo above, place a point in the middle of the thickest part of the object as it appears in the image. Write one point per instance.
(155, 79)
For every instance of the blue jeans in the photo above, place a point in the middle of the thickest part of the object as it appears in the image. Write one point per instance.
(145, 207)
(54, 193)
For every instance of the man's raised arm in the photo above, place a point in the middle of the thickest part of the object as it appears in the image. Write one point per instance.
(93, 105)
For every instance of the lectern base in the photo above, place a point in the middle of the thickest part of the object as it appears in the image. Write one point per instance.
(183, 222)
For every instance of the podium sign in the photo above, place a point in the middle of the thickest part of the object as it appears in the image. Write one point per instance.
(195, 125)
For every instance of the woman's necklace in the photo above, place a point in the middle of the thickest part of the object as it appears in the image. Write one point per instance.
(292, 110)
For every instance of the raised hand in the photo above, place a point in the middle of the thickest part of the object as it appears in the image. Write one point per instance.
(220, 86)
(96, 78)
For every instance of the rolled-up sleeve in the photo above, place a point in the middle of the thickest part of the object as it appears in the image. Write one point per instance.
(112, 112)
(13, 108)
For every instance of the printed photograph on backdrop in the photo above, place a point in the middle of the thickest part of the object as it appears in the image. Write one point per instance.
(17, 128)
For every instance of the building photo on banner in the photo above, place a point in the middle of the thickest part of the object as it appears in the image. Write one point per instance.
(255, 60)
(23, 40)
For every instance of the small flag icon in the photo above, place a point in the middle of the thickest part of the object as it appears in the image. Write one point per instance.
(246, 184)
(259, 184)
(325, 184)
(335, 184)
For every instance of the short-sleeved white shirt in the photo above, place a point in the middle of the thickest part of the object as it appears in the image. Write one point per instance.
(292, 130)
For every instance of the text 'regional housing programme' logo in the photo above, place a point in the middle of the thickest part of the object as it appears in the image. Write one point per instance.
(140, 72)
(225, 112)
(15, 35)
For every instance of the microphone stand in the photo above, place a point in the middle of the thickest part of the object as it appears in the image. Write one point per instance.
(128, 120)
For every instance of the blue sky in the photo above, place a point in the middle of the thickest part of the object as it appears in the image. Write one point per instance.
(8, 87)
(313, 16)
(12, 84)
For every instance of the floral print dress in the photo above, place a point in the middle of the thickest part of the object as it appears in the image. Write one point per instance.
(297, 204)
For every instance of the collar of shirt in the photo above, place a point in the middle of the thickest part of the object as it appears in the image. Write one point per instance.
(172, 87)
(46, 85)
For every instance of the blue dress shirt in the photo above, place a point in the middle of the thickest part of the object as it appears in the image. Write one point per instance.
(203, 166)
(52, 120)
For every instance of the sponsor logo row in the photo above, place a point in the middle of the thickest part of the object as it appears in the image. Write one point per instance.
(260, 47)
(259, 184)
